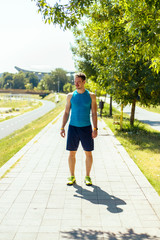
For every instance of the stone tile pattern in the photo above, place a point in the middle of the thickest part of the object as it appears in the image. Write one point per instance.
(36, 203)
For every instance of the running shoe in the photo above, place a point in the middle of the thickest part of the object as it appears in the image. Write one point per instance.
(71, 180)
(88, 181)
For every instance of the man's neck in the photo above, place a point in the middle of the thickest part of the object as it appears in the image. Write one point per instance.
(82, 90)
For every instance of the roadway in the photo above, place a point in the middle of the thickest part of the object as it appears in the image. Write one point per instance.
(151, 118)
(9, 126)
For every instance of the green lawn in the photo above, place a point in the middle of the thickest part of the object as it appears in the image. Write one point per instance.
(16, 106)
(151, 108)
(142, 144)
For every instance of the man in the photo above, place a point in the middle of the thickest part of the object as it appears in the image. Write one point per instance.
(80, 102)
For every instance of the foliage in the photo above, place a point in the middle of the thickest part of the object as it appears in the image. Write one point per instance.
(6, 80)
(47, 83)
(141, 21)
(32, 79)
(65, 15)
(29, 86)
(60, 78)
(19, 80)
(54, 81)
(95, 88)
(118, 46)
(42, 84)
(68, 87)
(107, 47)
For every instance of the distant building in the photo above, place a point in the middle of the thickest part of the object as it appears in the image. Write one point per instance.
(40, 74)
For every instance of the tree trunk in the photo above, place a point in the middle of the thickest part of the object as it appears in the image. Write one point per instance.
(132, 112)
(110, 109)
(121, 118)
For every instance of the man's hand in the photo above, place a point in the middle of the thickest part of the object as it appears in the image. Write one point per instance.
(62, 133)
(94, 133)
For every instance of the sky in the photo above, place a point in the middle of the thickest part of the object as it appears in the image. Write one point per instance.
(26, 42)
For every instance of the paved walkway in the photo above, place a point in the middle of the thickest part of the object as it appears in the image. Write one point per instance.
(36, 204)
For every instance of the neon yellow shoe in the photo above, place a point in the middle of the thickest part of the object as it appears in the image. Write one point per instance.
(88, 181)
(71, 180)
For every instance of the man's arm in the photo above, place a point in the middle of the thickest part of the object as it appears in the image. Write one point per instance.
(94, 114)
(66, 114)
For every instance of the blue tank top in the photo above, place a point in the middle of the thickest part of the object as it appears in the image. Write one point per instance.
(80, 109)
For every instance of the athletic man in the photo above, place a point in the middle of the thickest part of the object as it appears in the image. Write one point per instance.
(80, 102)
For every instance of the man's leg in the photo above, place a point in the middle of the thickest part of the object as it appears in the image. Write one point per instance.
(89, 161)
(72, 162)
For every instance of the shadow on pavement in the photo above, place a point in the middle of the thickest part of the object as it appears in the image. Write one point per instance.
(99, 235)
(152, 123)
(96, 195)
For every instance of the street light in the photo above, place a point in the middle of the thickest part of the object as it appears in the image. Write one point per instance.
(58, 85)
(9, 83)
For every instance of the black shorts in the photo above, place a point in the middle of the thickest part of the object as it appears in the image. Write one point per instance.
(80, 134)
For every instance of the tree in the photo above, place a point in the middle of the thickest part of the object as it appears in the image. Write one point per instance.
(19, 80)
(7, 80)
(122, 39)
(29, 86)
(48, 82)
(1, 82)
(68, 87)
(82, 55)
(141, 21)
(42, 85)
(118, 68)
(54, 81)
(139, 18)
(32, 79)
(60, 79)
(95, 88)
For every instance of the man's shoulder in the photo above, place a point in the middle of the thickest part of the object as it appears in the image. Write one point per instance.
(92, 95)
(69, 95)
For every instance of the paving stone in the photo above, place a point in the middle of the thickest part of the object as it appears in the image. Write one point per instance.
(6, 236)
(48, 236)
(25, 236)
(36, 203)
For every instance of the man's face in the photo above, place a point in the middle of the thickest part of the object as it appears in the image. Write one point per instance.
(79, 83)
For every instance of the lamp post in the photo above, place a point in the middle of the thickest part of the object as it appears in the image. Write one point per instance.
(58, 84)
(9, 84)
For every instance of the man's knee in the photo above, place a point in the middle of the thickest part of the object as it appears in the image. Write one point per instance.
(88, 154)
(72, 153)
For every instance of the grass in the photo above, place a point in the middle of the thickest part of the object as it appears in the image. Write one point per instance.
(142, 144)
(11, 144)
(155, 109)
(22, 106)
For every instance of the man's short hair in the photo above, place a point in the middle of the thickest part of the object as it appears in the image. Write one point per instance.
(81, 75)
